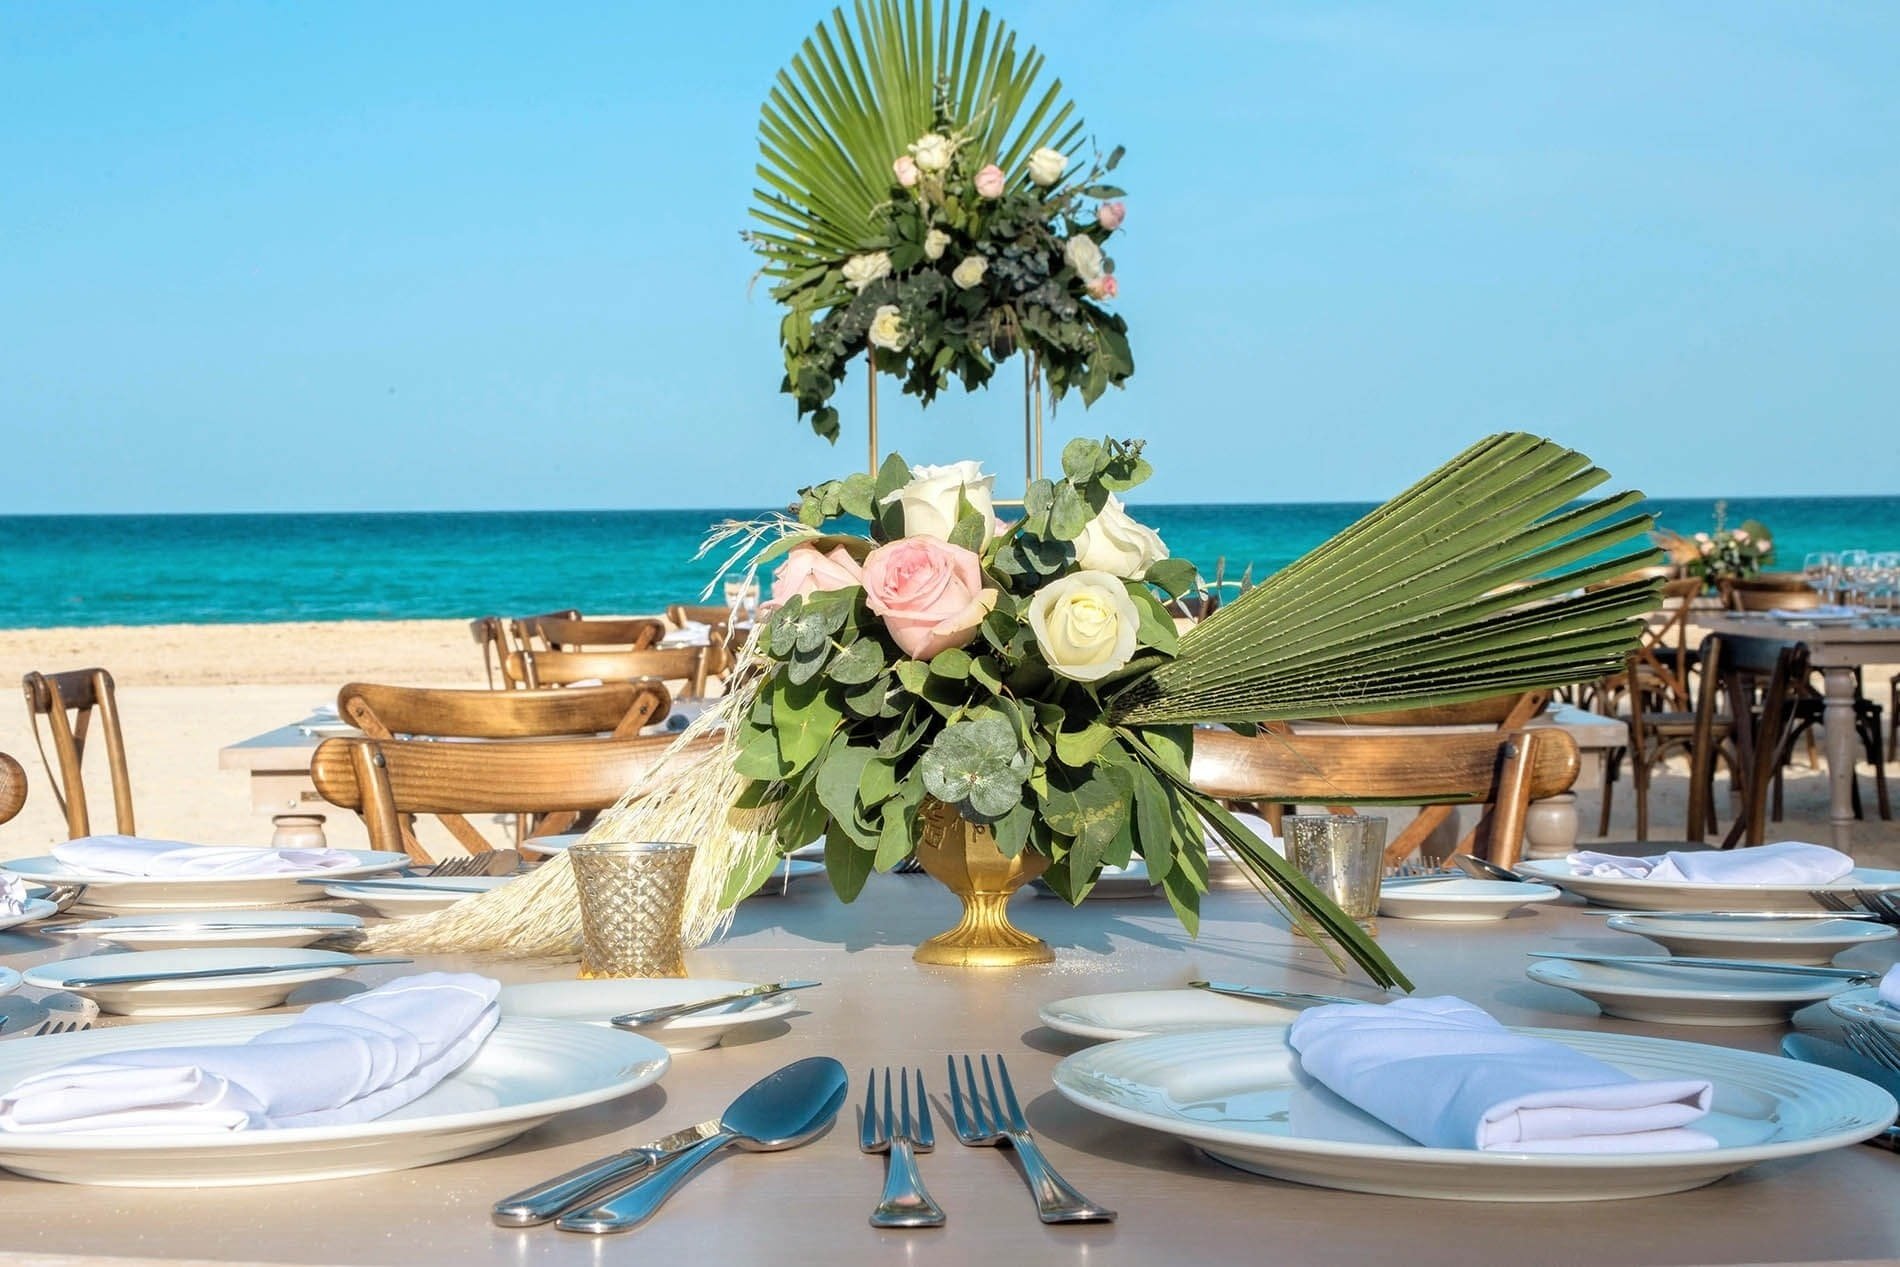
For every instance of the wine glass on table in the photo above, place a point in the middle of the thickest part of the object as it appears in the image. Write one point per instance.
(1821, 569)
(1854, 576)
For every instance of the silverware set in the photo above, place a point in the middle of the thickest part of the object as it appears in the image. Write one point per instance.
(1852, 976)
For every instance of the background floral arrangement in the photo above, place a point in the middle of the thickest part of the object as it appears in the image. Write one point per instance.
(1724, 554)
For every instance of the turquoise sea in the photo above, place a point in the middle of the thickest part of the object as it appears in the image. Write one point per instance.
(217, 569)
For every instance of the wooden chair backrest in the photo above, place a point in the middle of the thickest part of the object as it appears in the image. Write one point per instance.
(86, 693)
(561, 633)
(12, 787)
(1646, 685)
(559, 668)
(616, 708)
(1506, 770)
(492, 637)
(1760, 596)
(385, 780)
(679, 615)
(1763, 680)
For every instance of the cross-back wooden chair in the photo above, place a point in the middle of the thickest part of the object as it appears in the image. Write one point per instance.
(1763, 680)
(386, 780)
(1656, 731)
(1663, 654)
(560, 633)
(680, 615)
(563, 668)
(492, 637)
(12, 787)
(1503, 771)
(84, 693)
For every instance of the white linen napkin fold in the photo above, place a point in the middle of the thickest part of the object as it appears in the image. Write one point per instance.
(335, 1065)
(1890, 987)
(1787, 862)
(12, 895)
(137, 855)
(1447, 1074)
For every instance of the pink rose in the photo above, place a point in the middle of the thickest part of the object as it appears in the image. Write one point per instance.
(1110, 215)
(906, 169)
(805, 571)
(929, 592)
(989, 181)
(1105, 287)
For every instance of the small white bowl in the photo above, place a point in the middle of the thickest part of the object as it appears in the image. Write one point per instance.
(1782, 940)
(598, 1001)
(397, 898)
(184, 930)
(202, 996)
(1463, 900)
(1682, 994)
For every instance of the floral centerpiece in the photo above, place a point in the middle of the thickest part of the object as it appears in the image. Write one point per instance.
(1723, 554)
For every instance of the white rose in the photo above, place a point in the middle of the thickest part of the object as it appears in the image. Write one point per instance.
(1114, 542)
(930, 499)
(1085, 624)
(887, 329)
(932, 151)
(970, 271)
(936, 242)
(1084, 257)
(861, 270)
(1046, 166)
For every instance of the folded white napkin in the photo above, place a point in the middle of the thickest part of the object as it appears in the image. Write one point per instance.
(335, 1065)
(1788, 862)
(12, 894)
(1890, 987)
(135, 855)
(1448, 1075)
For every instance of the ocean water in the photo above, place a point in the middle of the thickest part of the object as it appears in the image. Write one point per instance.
(217, 569)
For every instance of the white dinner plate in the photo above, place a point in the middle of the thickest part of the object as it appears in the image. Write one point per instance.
(9, 980)
(791, 871)
(1235, 1094)
(527, 1072)
(31, 911)
(1862, 1003)
(547, 846)
(597, 1002)
(417, 896)
(1682, 895)
(1463, 900)
(1141, 1013)
(1683, 994)
(200, 892)
(196, 996)
(181, 930)
(1780, 940)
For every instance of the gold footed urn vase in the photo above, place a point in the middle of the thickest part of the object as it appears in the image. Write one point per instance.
(963, 857)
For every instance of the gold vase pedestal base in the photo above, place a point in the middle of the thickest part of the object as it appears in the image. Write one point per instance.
(963, 857)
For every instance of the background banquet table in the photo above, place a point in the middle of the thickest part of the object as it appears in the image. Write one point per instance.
(877, 1006)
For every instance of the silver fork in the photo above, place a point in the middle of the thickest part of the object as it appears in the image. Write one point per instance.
(905, 1203)
(1867, 1039)
(1833, 901)
(57, 1027)
(992, 1122)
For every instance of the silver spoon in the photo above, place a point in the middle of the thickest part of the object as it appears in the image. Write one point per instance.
(1485, 869)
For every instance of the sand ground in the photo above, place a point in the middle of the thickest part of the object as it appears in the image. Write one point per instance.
(185, 691)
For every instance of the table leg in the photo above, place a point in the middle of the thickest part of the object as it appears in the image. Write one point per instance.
(1838, 713)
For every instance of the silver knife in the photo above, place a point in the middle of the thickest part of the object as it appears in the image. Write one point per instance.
(1735, 965)
(1260, 995)
(203, 974)
(413, 886)
(654, 1015)
(597, 1179)
(1718, 916)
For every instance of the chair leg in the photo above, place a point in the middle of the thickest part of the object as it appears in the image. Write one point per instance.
(1610, 764)
(1639, 781)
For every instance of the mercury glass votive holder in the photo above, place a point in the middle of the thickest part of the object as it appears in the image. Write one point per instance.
(1344, 857)
(633, 899)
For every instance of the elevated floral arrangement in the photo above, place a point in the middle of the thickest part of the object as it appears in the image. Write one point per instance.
(1724, 553)
(923, 204)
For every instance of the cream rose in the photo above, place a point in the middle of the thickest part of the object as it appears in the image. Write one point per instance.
(1085, 624)
(932, 151)
(936, 242)
(930, 499)
(1116, 543)
(929, 593)
(970, 271)
(887, 329)
(1046, 166)
(1084, 256)
(861, 270)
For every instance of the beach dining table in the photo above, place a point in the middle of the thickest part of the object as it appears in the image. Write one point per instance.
(1838, 651)
(877, 1007)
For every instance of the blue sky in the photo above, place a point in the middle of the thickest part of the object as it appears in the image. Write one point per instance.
(466, 255)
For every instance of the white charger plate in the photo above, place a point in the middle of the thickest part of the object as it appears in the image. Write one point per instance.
(526, 1073)
(599, 1001)
(178, 930)
(32, 910)
(202, 996)
(1232, 1094)
(1784, 941)
(1463, 900)
(1681, 895)
(1142, 1013)
(1683, 994)
(417, 896)
(173, 893)
(791, 871)
(547, 846)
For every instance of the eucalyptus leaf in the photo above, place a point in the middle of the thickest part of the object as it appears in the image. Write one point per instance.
(847, 865)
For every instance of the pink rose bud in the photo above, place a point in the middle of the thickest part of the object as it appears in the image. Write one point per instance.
(929, 593)
(906, 169)
(989, 181)
(1105, 287)
(806, 571)
(1110, 215)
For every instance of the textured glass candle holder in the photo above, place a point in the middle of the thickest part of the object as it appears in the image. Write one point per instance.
(1344, 856)
(632, 897)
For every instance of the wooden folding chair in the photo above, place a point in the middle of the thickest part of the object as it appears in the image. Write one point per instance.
(12, 787)
(1503, 771)
(686, 665)
(559, 633)
(83, 693)
(387, 780)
